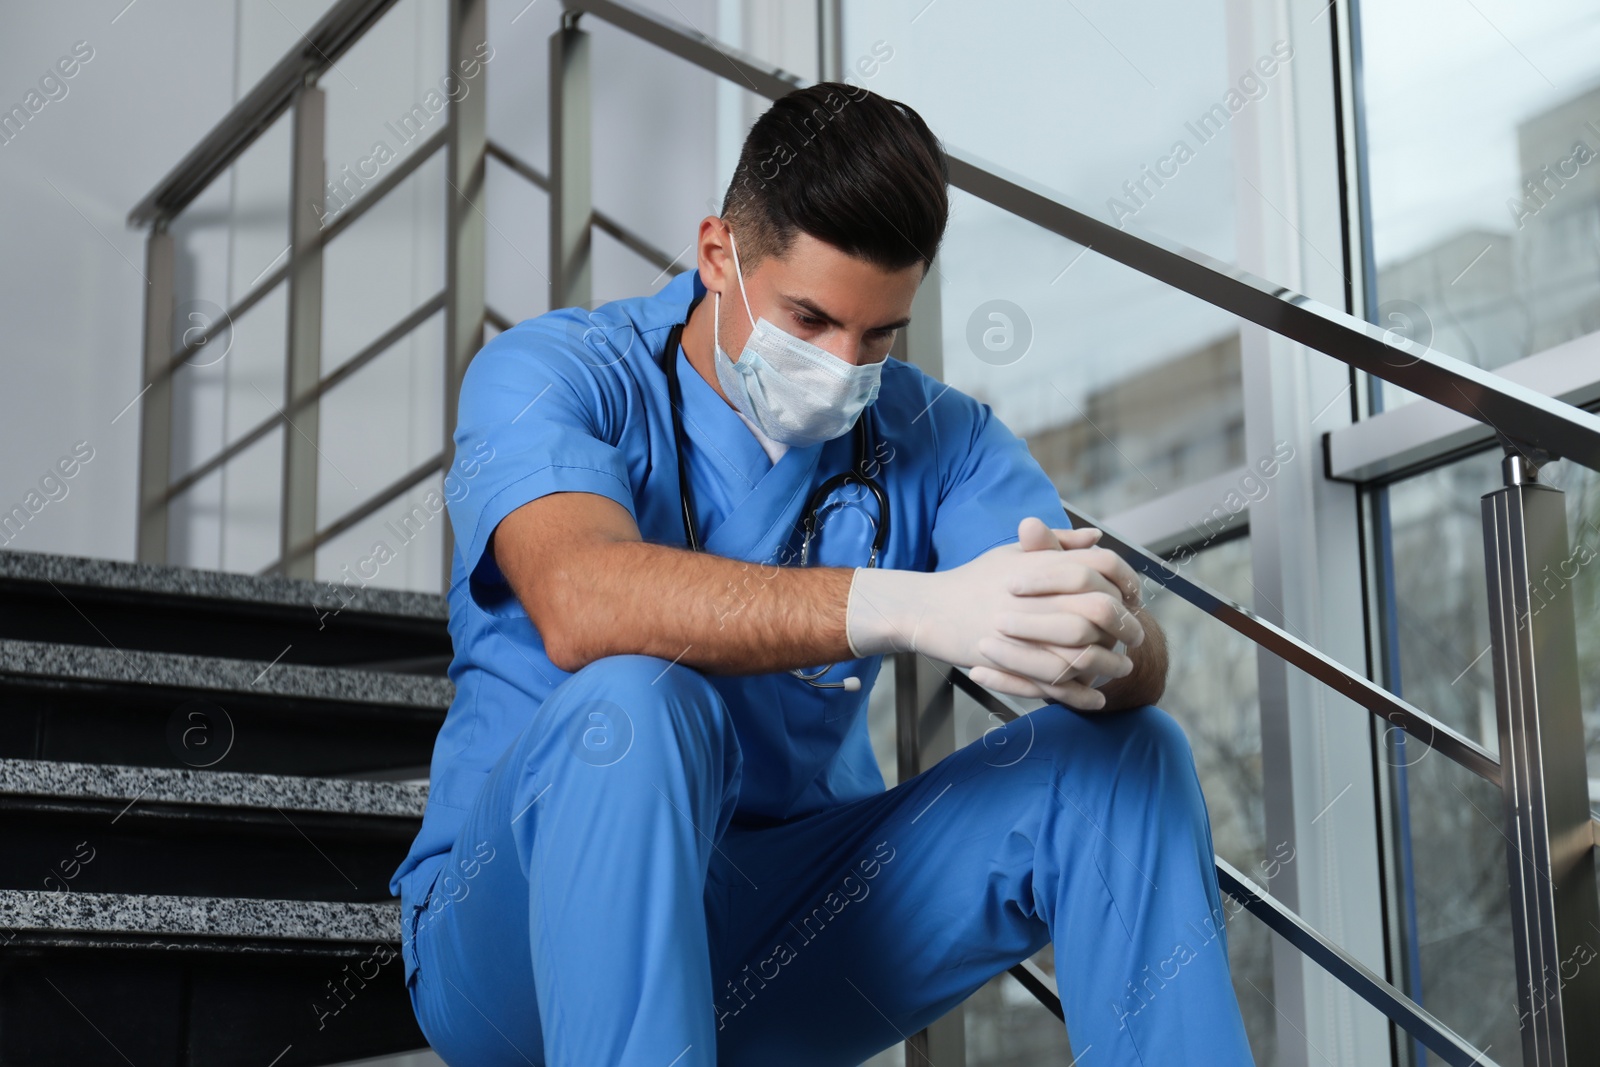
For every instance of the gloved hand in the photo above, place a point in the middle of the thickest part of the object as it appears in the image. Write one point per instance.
(1048, 608)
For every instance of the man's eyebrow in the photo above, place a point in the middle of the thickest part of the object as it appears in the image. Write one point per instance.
(813, 310)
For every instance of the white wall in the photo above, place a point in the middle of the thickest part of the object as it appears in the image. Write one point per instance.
(71, 285)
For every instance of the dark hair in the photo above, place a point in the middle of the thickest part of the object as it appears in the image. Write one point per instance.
(847, 166)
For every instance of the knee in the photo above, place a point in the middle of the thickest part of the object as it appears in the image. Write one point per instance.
(1147, 737)
(617, 704)
(640, 677)
(1161, 736)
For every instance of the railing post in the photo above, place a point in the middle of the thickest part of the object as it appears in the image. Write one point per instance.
(1555, 910)
(298, 519)
(155, 408)
(925, 733)
(571, 189)
(464, 220)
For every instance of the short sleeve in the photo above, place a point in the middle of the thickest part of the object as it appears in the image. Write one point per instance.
(537, 415)
(989, 482)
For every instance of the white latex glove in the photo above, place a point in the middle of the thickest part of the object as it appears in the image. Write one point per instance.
(1037, 609)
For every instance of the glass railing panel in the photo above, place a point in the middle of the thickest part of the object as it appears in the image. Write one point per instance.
(410, 531)
(1124, 388)
(516, 247)
(1501, 260)
(387, 95)
(381, 422)
(1123, 108)
(1438, 628)
(252, 500)
(388, 262)
(231, 386)
(1212, 689)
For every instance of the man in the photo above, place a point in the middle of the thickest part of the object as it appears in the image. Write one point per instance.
(648, 841)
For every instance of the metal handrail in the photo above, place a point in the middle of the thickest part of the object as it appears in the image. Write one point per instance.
(1542, 423)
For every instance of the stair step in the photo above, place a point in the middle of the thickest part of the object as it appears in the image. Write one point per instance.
(196, 923)
(103, 705)
(94, 828)
(205, 788)
(107, 603)
(41, 659)
(106, 978)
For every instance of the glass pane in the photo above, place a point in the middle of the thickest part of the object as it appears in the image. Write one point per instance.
(388, 262)
(1212, 689)
(400, 546)
(1484, 187)
(252, 500)
(1125, 389)
(383, 421)
(1006, 1026)
(1007, 83)
(517, 242)
(379, 111)
(1440, 607)
(1452, 853)
(194, 524)
(232, 384)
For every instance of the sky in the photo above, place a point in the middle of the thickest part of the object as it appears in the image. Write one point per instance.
(1448, 81)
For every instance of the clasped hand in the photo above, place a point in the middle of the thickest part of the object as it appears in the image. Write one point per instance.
(1038, 618)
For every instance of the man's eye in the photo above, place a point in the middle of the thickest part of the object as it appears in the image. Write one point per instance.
(807, 320)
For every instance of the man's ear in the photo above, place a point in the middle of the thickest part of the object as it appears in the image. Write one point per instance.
(717, 271)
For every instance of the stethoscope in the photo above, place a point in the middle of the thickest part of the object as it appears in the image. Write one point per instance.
(859, 472)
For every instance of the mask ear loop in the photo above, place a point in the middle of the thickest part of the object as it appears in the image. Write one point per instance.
(740, 273)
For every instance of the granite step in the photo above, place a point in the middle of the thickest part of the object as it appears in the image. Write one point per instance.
(112, 604)
(40, 917)
(98, 828)
(77, 703)
(115, 978)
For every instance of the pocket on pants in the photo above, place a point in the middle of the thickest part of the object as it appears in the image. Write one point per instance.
(413, 923)
(414, 988)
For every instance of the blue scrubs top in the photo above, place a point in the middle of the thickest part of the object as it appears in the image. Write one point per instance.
(576, 401)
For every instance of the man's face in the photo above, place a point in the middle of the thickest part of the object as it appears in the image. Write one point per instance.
(819, 294)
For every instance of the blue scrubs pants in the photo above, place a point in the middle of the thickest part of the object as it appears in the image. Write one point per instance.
(599, 907)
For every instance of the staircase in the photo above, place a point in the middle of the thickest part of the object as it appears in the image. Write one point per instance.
(207, 780)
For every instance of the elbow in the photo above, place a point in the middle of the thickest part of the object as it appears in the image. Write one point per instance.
(562, 649)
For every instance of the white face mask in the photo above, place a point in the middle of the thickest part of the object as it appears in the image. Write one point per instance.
(794, 391)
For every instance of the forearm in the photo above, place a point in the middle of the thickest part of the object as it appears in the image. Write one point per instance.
(717, 614)
(1149, 678)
